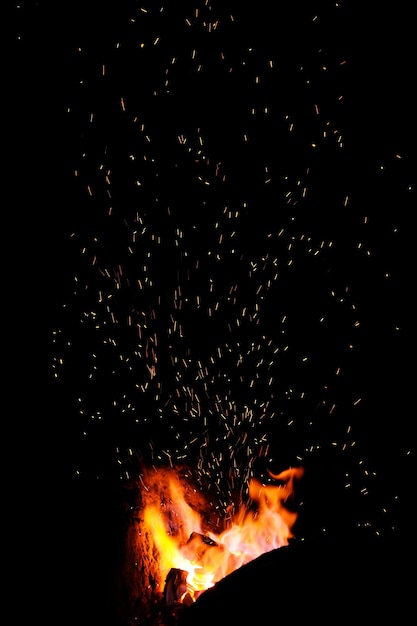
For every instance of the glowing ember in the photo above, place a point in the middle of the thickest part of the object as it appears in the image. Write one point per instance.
(193, 558)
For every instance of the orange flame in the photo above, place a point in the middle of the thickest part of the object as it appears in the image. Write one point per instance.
(182, 543)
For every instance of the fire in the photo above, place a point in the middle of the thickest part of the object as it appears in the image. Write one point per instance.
(184, 545)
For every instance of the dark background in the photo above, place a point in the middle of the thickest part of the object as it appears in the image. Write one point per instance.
(77, 521)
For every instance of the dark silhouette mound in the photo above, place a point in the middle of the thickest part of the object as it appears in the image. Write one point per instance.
(346, 574)
(360, 579)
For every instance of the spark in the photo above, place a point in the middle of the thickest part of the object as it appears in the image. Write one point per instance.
(217, 297)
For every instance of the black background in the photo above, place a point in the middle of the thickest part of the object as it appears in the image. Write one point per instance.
(74, 528)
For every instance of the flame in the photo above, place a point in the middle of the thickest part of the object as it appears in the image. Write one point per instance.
(182, 543)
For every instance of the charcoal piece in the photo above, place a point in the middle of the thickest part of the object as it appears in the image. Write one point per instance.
(175, 586)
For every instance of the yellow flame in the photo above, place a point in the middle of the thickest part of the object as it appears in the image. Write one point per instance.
(176, 529)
